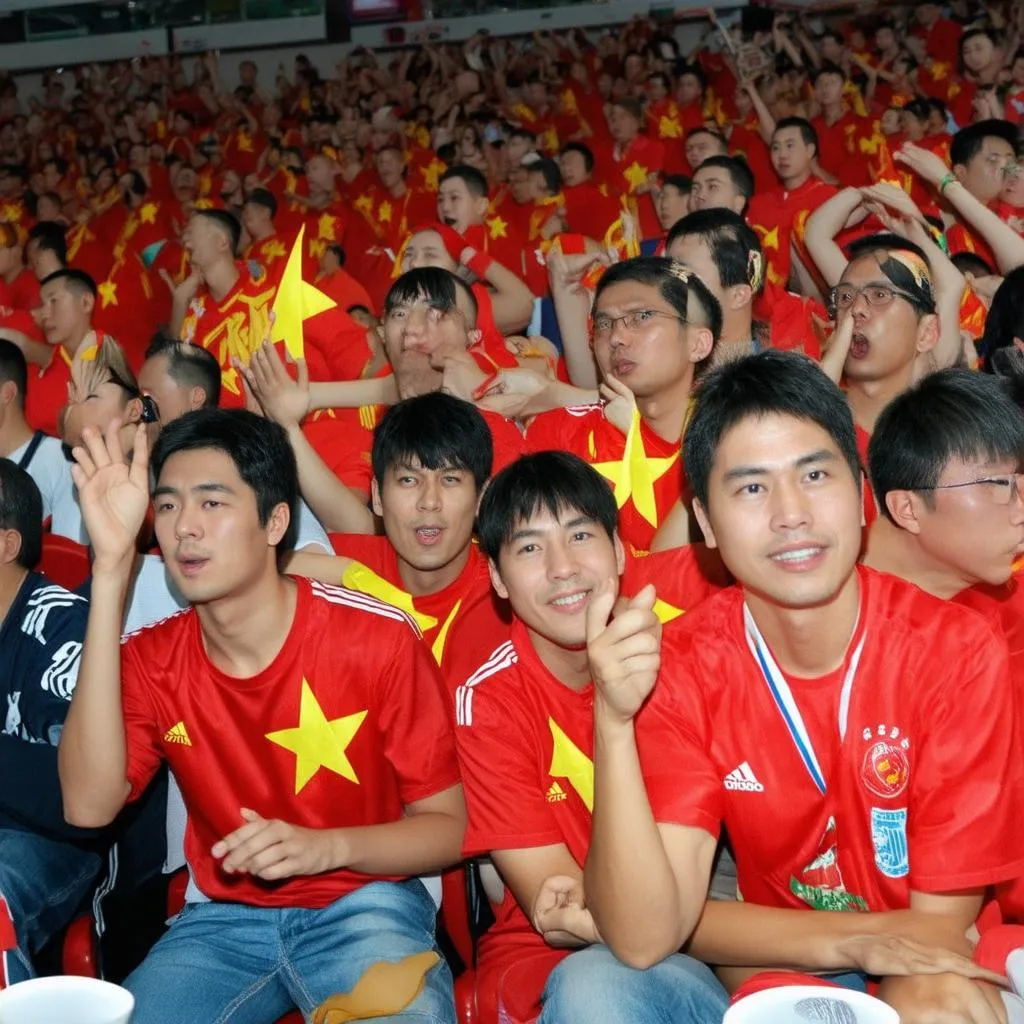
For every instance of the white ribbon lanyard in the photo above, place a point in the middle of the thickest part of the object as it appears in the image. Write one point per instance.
(784, 701)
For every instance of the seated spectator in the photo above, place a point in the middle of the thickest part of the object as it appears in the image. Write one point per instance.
(342, 862)
(46, 865)
(39, 455)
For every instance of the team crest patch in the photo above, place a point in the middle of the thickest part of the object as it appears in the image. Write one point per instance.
(886, 769)
(889, 838)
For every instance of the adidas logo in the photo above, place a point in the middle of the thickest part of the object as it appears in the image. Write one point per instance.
(556, 793)
(178, 734)
(743, 779)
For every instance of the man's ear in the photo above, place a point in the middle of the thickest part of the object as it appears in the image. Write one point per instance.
(196, 398)
(905, 509)
(496, 580)
(620, 553)
(702, 341)
(928, 333)
(481, 204)
(277, 524)
(740, 295)
(10, 546)
(474, 336)
(133, 411)
(704, 523)
(8, 392)
(960, 170)
(378, 505)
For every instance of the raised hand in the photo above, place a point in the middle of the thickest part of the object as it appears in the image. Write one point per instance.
(624, 652)
(923, 162)
(284, 400)
(113, 494)
(619, 403)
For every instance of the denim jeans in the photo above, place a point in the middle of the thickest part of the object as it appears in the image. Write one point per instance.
(44, 883)
(591, 986)
(227, 962)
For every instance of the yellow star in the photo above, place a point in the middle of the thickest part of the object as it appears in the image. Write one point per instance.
(770, 239)
(432, 173)
(635, 474)
(318, 743)
(274, 250)
(244, 143)
(358, 577)
(108, 293)
(669, 128)
(570, 763)
(296, 301)
(549, 141)
(325, 228)
(635, 175)
(498, 227)
(384, 212)
(364, 204)
(147, 214)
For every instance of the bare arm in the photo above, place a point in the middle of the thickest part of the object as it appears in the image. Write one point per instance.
(674, 531)
(511, 300)
(350, 394)
(822, 227)
(572, 301)
(765, 120)
(93, 757)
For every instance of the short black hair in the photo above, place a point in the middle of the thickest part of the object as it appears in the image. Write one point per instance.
(680, 182)
(971, 263)
(434, 284)
(76, 280)
(338, 251)
(228, 224)
(189, 366)
(732, 243)
(21, 509)
(768, 383)
(676, 283)
(475, 181)
(263, 197)
(739, 172)
(916, 281)
(552, 175)
(949, 414)
(919, 108)
(967, 142)
(556, 481)
(584, 151)
(631, 106)
(826, 68)
(523, 133)
(1005, 319)
(436, 430)
(49, 237)
(703, 129)
(806, 129)
(259, 449)
(692, 69)
(13, 367)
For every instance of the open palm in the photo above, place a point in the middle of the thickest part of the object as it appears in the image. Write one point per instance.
(113, 494)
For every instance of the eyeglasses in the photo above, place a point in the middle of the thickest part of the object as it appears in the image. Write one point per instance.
(634, 321)
(1003, 489)
(878, 296)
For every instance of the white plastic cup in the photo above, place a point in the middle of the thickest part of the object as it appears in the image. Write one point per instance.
(805, 1004)
(66, 1000)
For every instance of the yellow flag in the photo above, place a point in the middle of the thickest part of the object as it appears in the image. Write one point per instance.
(296, 301)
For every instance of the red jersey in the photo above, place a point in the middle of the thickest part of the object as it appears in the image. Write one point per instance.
(745, 141)
(21, 293)
(234, 327)
(793, 320)
(590, 211)
(853, 150)
(643, 504)
(331, 734)
(47, 391)
(843, 804)
(642, 158)
(960, 238)
(391, 219)
(271, 253)
(780, 218)
(440, 616)
(942, 40)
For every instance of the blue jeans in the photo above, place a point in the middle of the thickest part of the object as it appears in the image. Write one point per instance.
(44, 883)
(591, 986)
(227, 962)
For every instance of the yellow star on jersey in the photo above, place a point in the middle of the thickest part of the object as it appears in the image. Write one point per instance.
(325, 228)
(770, 239)
(147, 213)
(635, 474)
(432, 174)
(570, 763)
(244, 144)
(635, 175)
(498, 227)
(669, 128)
(384, 212)
(108, 294)
(296, 301)
(274, 250)
(364, 204)
(318, 743)
(358, 577)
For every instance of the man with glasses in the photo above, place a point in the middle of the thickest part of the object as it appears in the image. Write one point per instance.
(654, 323)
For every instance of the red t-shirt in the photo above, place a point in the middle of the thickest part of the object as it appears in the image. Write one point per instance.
(234, 327)
(928, 757)
(440, 616)
(333, 733)
(584, 431)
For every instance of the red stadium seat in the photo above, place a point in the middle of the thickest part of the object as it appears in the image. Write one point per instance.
(64, 561)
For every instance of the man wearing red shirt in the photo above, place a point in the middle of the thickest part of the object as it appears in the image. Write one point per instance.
(431, 459)
(391, 207)
(305, 724)
(654, 323)
(68, 299)
(588, 210)
(548, 526)
(780, 216)
(224, 305)
(266, 247)
(884, 722)
(941, 36)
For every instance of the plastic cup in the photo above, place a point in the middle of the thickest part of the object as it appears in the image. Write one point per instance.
(66, 1000)
(808, 1004)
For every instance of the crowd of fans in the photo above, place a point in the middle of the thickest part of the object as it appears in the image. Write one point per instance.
(639, 521)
